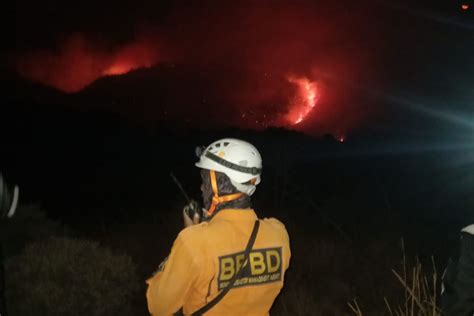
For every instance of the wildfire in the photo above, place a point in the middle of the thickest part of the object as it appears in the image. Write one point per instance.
(77, 63)
(131, 57)
(118, 69)
(305, 101)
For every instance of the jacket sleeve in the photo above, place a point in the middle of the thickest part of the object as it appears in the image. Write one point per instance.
(169, 287)
(458, 295)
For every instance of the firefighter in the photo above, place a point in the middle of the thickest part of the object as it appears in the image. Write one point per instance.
(457, 298)
(8, 205)
(231, 263)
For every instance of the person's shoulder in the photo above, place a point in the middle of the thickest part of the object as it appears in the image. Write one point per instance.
(275, 223)
(193, 233)
(276, 229)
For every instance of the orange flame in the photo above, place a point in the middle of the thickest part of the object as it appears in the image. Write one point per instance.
(131, 57)
(305, 101)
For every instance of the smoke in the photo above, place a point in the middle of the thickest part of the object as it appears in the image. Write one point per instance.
(270, 62)
(78, 62)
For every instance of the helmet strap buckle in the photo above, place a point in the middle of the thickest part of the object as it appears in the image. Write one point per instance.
(216, 199)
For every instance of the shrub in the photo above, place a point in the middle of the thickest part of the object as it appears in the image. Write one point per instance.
(62, 276)
(29, 223)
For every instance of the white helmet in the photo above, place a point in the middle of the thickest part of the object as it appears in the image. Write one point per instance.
(237, 159)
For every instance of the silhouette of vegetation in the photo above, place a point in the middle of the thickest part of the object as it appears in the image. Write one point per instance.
(64, 276)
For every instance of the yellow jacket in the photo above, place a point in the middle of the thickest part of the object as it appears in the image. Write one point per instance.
(204, 258)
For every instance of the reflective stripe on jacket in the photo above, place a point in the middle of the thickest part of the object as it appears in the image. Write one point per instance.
(204, 258)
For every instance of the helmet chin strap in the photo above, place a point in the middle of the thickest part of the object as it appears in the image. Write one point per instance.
(216, 199)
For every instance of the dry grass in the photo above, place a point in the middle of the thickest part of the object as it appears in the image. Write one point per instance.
(421, 288)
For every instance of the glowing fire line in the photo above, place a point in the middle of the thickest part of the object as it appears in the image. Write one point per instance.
(306, 99)
(77, 63)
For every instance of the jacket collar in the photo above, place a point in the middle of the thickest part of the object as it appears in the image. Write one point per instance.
(231, 214)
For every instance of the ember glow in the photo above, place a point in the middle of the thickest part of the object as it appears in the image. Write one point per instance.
(305, 100)
(131, 57)
(78, 62)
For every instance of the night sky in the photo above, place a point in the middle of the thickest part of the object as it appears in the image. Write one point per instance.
(316, 66)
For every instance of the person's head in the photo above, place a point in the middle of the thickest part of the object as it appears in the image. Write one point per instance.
(230, 171)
